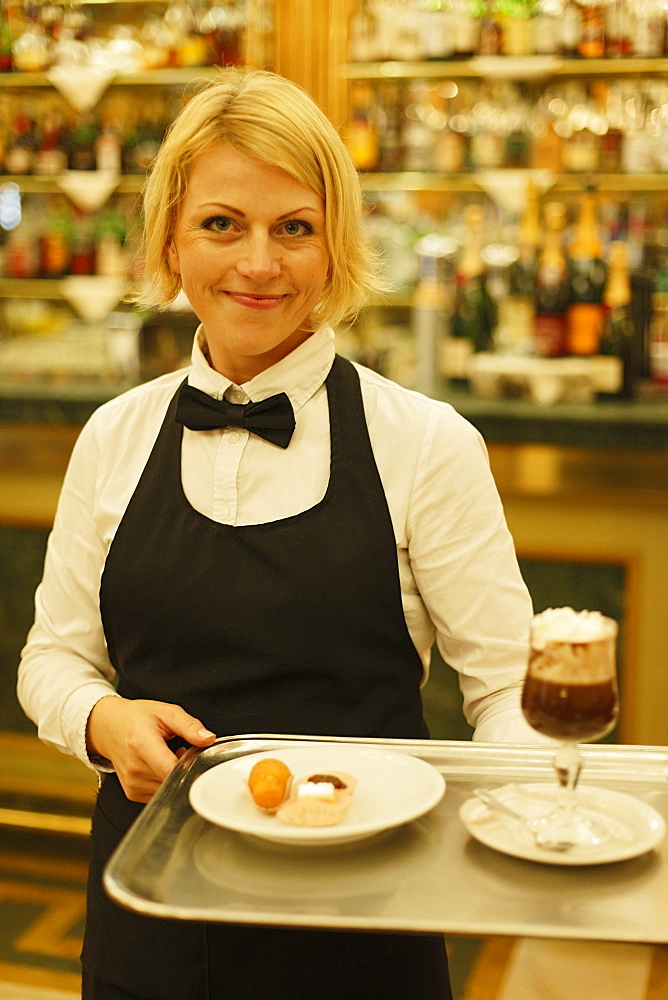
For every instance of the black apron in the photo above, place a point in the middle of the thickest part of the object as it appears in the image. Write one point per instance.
(292, 626)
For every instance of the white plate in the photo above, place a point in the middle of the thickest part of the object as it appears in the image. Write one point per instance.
(639, 827)
(392, 788)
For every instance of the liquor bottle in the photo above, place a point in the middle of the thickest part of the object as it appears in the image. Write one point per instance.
(361, 35)
(108, 146)
(551, 286)
(436, 29)
(518, 28)
(547, 28)
(467, 28)
(592, 39)
(429, 315)
(51, 154)
(22, 145)
(6, 43)
(475, 313)
(110, 234)
(147, 139)
(611, 104)
(82, 143)
(648, 26)
(618, 43)
(587, 281)
(56, 241)
(22, 253)
(658, 331)
(389, 117)
(82, 258)
(615, 368)
(490, 40)
(418, 137)
(32, 51)
(546, 145)
(571, 30)
(361, 131)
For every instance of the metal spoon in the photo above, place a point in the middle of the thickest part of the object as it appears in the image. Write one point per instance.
(533, 825)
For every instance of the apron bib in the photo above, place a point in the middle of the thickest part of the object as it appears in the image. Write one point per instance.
(292, 626)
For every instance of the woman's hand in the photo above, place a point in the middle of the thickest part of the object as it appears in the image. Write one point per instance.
(133, 734)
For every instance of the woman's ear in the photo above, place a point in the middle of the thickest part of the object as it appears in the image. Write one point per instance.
(173, 258)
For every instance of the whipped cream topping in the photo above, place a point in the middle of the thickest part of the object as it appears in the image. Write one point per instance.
(567, 625)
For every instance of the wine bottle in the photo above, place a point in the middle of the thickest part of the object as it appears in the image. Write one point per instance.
(587, 274)
(615, 367)
(475, 313)
(519, 308)
(551, 286)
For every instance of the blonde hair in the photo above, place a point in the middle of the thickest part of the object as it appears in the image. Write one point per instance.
(264, 116)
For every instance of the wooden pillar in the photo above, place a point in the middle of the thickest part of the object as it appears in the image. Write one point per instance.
(311, 49)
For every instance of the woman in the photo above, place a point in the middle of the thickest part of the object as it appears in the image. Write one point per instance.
(287, 573)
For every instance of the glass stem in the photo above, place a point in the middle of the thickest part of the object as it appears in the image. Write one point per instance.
(567, 764)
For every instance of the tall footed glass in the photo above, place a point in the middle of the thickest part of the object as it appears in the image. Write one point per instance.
(570, 694)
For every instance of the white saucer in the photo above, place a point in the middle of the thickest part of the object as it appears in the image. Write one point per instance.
(393, 788)
(638, 826)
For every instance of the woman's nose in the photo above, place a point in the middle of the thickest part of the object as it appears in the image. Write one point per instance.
(259, 258)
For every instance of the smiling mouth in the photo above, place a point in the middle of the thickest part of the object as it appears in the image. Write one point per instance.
(253, 300)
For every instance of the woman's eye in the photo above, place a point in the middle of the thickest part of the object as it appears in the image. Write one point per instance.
(218, 224)
(295, 227)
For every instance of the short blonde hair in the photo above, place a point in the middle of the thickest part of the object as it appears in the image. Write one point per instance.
(264, 116)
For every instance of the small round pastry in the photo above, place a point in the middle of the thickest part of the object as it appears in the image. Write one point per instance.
(269, 783)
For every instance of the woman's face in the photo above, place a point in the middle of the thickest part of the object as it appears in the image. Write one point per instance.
(250, 248)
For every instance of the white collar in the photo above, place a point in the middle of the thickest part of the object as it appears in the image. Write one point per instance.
(299, 374)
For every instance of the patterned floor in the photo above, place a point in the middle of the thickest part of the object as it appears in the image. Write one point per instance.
(42, 906)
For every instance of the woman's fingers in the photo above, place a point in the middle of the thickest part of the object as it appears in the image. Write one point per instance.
(133, 735)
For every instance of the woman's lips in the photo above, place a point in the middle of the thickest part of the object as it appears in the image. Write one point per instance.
(252, 301)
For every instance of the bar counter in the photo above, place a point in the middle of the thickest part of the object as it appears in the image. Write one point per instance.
(584, 487)
(640, 424)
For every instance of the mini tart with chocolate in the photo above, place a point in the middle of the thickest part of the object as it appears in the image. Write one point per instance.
(319, 800)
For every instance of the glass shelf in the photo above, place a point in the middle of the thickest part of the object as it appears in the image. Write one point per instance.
(526, 67)
(468, 184)
(147, 78)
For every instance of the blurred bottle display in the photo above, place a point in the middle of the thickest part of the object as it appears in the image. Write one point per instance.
(394, 30)
(54, 239)
(448, 126)
(35, 37)
(557, 279)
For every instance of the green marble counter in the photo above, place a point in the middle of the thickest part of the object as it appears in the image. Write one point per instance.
(633, 425)
(637, 425)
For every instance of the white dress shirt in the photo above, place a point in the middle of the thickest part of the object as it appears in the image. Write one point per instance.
(460, 582)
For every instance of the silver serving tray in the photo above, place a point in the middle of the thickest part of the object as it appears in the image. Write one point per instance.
(428, 875)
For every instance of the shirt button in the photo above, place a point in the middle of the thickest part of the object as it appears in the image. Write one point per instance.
(233, 438)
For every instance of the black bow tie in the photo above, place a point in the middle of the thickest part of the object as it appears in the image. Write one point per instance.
(271, 419)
